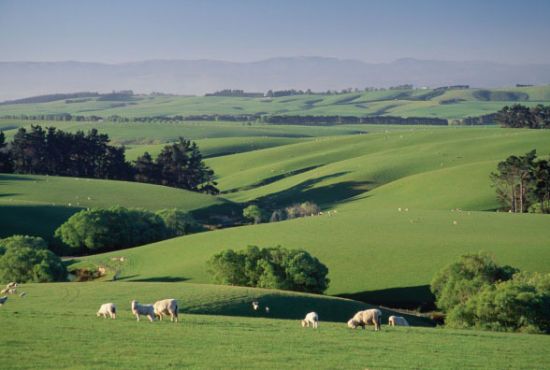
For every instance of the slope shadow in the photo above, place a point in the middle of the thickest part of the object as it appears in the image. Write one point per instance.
(4, 178)
(412, 298)
(271, 179)
(325, 196)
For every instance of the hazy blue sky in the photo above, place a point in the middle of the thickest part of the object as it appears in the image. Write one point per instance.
(248, 30)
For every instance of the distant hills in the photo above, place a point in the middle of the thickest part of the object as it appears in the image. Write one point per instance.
(24, 79)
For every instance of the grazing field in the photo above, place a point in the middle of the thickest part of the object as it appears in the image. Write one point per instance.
(37, 205)
(368, 244)
(448, 104)
(55, 326)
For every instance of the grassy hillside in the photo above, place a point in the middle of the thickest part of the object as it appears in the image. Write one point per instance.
(368, 244)
(55, 326)
(37, 205)
(444, 104)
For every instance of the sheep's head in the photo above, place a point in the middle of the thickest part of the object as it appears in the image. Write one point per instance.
(352, 324)
(133, 303)
(303, 323)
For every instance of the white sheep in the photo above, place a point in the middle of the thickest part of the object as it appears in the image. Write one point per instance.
(266, 309)
(311, 319)
(11, 285)
(255, 305)
(107, 309)
(3, 300)
(167, 307)
(397, 321)
(143, 309)
(372, 316)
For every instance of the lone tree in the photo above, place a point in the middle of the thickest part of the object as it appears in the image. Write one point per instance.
(274, 268)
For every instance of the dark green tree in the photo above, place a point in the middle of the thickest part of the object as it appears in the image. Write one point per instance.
(26, 259)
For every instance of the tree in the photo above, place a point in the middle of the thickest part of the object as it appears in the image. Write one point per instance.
(111, 229)
(520, 116)
(146, 169)
(514, 180)
(6, 164)
(253, 213)
(178, 222)
(26, 259)
(181, 166)
(540, 194)
(457, 282)
(273, 268)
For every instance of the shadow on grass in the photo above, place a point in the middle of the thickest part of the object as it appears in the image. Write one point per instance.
(157, 279)
(411, 298)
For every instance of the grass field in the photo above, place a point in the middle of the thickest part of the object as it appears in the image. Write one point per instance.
(55, 326)
(368, 244)
(449, 104)
(37, 205)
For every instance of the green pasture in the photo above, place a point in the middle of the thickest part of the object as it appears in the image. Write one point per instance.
(55, 326)
(420, 103)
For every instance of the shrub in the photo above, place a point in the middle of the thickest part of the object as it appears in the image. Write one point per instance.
(111, 229)
(253, 213)
(519, 304)
(456, 283)
(275, 268)
(177, 222)
(27, 259)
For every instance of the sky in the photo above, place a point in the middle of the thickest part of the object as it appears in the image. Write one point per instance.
(249, 30)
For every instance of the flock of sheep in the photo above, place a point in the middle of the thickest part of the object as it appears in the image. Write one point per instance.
(169, 307)
(165, 307)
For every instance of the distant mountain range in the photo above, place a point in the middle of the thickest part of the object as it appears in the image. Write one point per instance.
(23, 79)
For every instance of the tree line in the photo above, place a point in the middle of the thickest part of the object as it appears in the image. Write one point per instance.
(522, 183)
(520, 116)
(55, 152)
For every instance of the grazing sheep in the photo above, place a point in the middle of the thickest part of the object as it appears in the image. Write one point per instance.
(372, 316)
(4, 291)
(397, 321)
(266, 309)
(12, 291)
(311, 319)
(11, 285)
(255, 305)
(167, 307)
(107, 309)
(143, 309)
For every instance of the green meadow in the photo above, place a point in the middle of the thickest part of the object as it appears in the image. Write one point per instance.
(449, 104)
(55, 326)
(398, 204)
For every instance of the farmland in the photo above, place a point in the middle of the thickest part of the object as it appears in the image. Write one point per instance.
(398, 204)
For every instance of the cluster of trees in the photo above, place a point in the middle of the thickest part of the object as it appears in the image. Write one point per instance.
(520, 116)
(485, 119)
(335, 120)
(236, 92)
(258, 215)
(55, 152)
(476, 292)
(27, 259)
(522, 183)
(274, 268)
(98, 230)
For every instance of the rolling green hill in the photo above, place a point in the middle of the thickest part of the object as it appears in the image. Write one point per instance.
(37, 205)
(369, 245)
(449, 104)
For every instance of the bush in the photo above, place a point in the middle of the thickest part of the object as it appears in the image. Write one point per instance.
(456, 283)
(177, 222)
(519, 304)
(27, 259)
(111, 229)
(274, 268)
(253, 213)
(302, 210)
